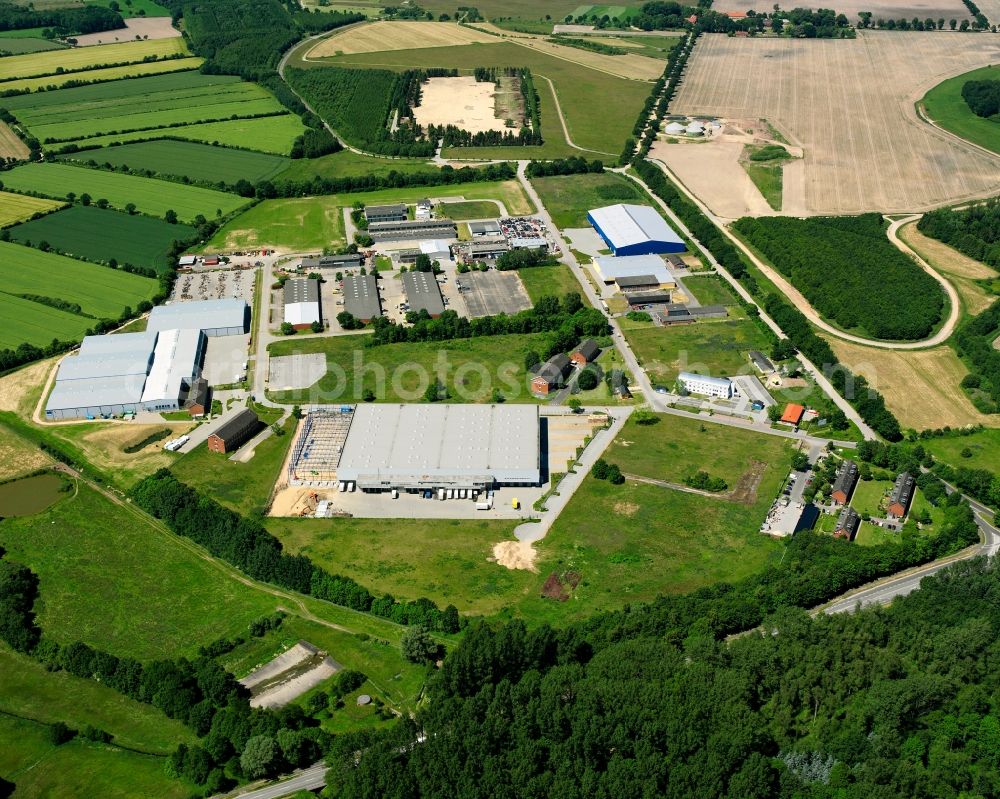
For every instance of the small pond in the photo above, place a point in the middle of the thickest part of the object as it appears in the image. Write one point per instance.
(29, 495)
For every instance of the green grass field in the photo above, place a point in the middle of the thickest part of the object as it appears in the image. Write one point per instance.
(140, 69)
(576, 87)
(470, 368)
(29, 691)
(347, 164)
(101, 291)
(112, 580)
(569, 197)
(16, 45)
(244, 487)
(868, 496)
(17, 207)
(714, 347)
(307, 223)
(710, 290)
(983, 447)
(34, 323)
(471, 209)
(149, 196)
(101, 234)
(190, 159)
(944, 104)
(78, 768)
(555, 280)
(188, 102)
(77, 58)
(295, 224)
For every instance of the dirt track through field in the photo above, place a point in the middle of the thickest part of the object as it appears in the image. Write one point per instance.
(849, 104)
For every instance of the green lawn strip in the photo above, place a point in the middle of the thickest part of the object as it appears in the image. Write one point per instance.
(244, 487)
(351, 716)
(18, 45)
(79, 768)
(111, 580)
(154, 197)
(189, 159)
(575, 84)
(34, 323)
(103, 234)
(445, 560)
(553, 280)
(568, 198)
(868, 495)
(101, 291)
(30, 691)
(714, 347)
(470, 209)
(945, 105)
(295, 224)
(677, 447)
(470, 368)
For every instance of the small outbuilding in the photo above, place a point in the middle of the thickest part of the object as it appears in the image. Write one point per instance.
(234, 431)
(551, 374)
(793, 413)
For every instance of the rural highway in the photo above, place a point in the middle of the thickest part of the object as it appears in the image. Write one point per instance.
(308, 779)
(802, 304)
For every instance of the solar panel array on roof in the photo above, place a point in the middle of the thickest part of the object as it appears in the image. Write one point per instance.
(417, 446)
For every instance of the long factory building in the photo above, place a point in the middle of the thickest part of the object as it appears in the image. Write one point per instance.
(417, 447)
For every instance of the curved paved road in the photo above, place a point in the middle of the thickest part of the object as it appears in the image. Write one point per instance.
(802, 304)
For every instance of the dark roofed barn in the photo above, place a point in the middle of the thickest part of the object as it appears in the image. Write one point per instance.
(847, 525)
(901, 496)
(423, 292)
(585, 353)
(234, 432)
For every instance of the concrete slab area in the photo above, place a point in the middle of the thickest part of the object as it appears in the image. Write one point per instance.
(295, 371)
(586, 240)
(493, 292)
(224, 359)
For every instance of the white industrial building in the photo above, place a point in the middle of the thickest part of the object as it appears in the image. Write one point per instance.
(157, 370)
(612, 269)
(230, 317)
(435, 249)
(302, 302)
(706, 386)
(430, 446)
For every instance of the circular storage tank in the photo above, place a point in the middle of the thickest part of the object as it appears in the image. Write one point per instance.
(695, 129)
(675, 128)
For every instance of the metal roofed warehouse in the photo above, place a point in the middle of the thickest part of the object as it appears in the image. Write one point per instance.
(423, 292)
(634, 230)
(214, 317)
(425, 446)
(361, 299)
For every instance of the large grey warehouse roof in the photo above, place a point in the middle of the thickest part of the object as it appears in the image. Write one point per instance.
(361, 296)
(84, 367)
(301, 289)
(206, 315)
(118, 344)
(423, 292)
(123, 392)
(422, 443)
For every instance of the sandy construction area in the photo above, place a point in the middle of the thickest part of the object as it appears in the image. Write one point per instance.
(849, 104)
(463, 102)
(920, 387)
(142, 27)
(712, 171)
(515, 555)
(388, 35)
(885, 9)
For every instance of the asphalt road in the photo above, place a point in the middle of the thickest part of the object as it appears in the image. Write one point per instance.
(308, 779)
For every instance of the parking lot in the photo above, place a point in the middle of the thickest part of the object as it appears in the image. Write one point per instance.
(215, 285)
(493, 292)
(225, 357)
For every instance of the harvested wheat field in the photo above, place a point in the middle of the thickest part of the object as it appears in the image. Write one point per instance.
(463, 102)
(10, 145)
(19, 390)
(630, 65)
(921, 387)
(136, 27)
(849, 104)
(961, 270)
(381, 36)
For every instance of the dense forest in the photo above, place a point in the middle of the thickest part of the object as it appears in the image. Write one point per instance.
(850, 272)
(982, 97)
(61, 21)
(359, 103)
(974, 341)
(975, 230)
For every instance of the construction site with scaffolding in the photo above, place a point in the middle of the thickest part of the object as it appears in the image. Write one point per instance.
(318, 446)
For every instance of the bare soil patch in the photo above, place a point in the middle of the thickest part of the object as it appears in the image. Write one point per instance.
(920, 387)
(560, 586)
(389, 35)
(515, 555)
(463, 102)
(10, 145)
(136, 27)
(626, 508)
(745, 490)
(864, 147)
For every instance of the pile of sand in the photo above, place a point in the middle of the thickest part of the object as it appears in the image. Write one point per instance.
(515, 555)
